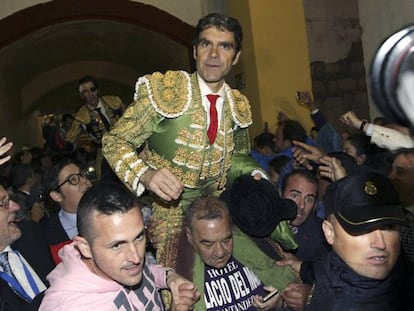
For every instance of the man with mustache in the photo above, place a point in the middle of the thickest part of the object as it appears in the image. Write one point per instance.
(220, 263)
(105, 268)
(25, 259)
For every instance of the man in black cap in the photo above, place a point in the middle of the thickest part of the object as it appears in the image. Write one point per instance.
(364, 270)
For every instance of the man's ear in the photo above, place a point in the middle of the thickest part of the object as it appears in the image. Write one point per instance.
(329, 232)
(83, 246)
(194, 52)
(236, 58)
(56, 196)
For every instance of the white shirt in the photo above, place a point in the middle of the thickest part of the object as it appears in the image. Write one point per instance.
(102, 108)
(68, 222)
(205, 90)
(17, 267)
(388, 138)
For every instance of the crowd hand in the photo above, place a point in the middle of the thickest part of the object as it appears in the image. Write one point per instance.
(303, 153)
(270, 304)
(184, 293)
(331, 168)
(350, 119)
(163, 183)
(306, 98)
(3, 149)
(282, 117)
(296, 295)
(290, 260)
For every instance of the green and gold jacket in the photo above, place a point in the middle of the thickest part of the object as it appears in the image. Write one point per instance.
(167, 115)
(88, 120)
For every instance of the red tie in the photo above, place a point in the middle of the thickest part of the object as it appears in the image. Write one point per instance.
(212, 129)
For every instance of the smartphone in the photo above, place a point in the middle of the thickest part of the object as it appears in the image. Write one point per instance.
(270, 295)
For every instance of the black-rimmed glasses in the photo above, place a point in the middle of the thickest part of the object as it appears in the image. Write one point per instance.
(5, 203)
(73, 179)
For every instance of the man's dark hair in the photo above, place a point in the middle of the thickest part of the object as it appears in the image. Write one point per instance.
(278, 163)
(293, 130)
(20, 173)
(308, 175)
(361, 143)
(87, 79)
(403, 151)
(221, 22)
(265, 140)
(50, 179)
(208, 208)
(104, 198)
(67, 116)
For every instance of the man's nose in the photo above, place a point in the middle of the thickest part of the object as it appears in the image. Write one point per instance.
(132, 254)
(301, 204)
(214, 51)
(377, 239)
(13, 206)
(219, 250)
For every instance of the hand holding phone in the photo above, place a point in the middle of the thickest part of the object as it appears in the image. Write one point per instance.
(303, 97)
(270, 295)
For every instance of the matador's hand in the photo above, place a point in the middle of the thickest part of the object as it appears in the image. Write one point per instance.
(163, 183)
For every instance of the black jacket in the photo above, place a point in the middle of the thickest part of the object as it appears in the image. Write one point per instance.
(338, 288)
(33, 247)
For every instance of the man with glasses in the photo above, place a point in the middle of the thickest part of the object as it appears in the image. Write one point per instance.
(95, 117)
(64, 184)
(24, 259)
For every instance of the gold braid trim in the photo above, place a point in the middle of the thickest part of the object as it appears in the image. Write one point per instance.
(168, 240)
(83, 115)
(167, 245)
(240, 107)
(114, 102)
(170, 93)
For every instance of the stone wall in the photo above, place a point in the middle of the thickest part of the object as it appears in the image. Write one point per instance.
(337, 63)
(340, 86)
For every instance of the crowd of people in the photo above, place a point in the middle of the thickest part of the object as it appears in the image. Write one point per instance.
(180, 213)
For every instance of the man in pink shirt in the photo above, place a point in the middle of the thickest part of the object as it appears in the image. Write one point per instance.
(104, 268)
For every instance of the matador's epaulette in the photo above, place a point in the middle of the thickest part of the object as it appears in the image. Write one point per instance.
(170, 94)
(83, 115)
(240, 107)
(114, 102)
